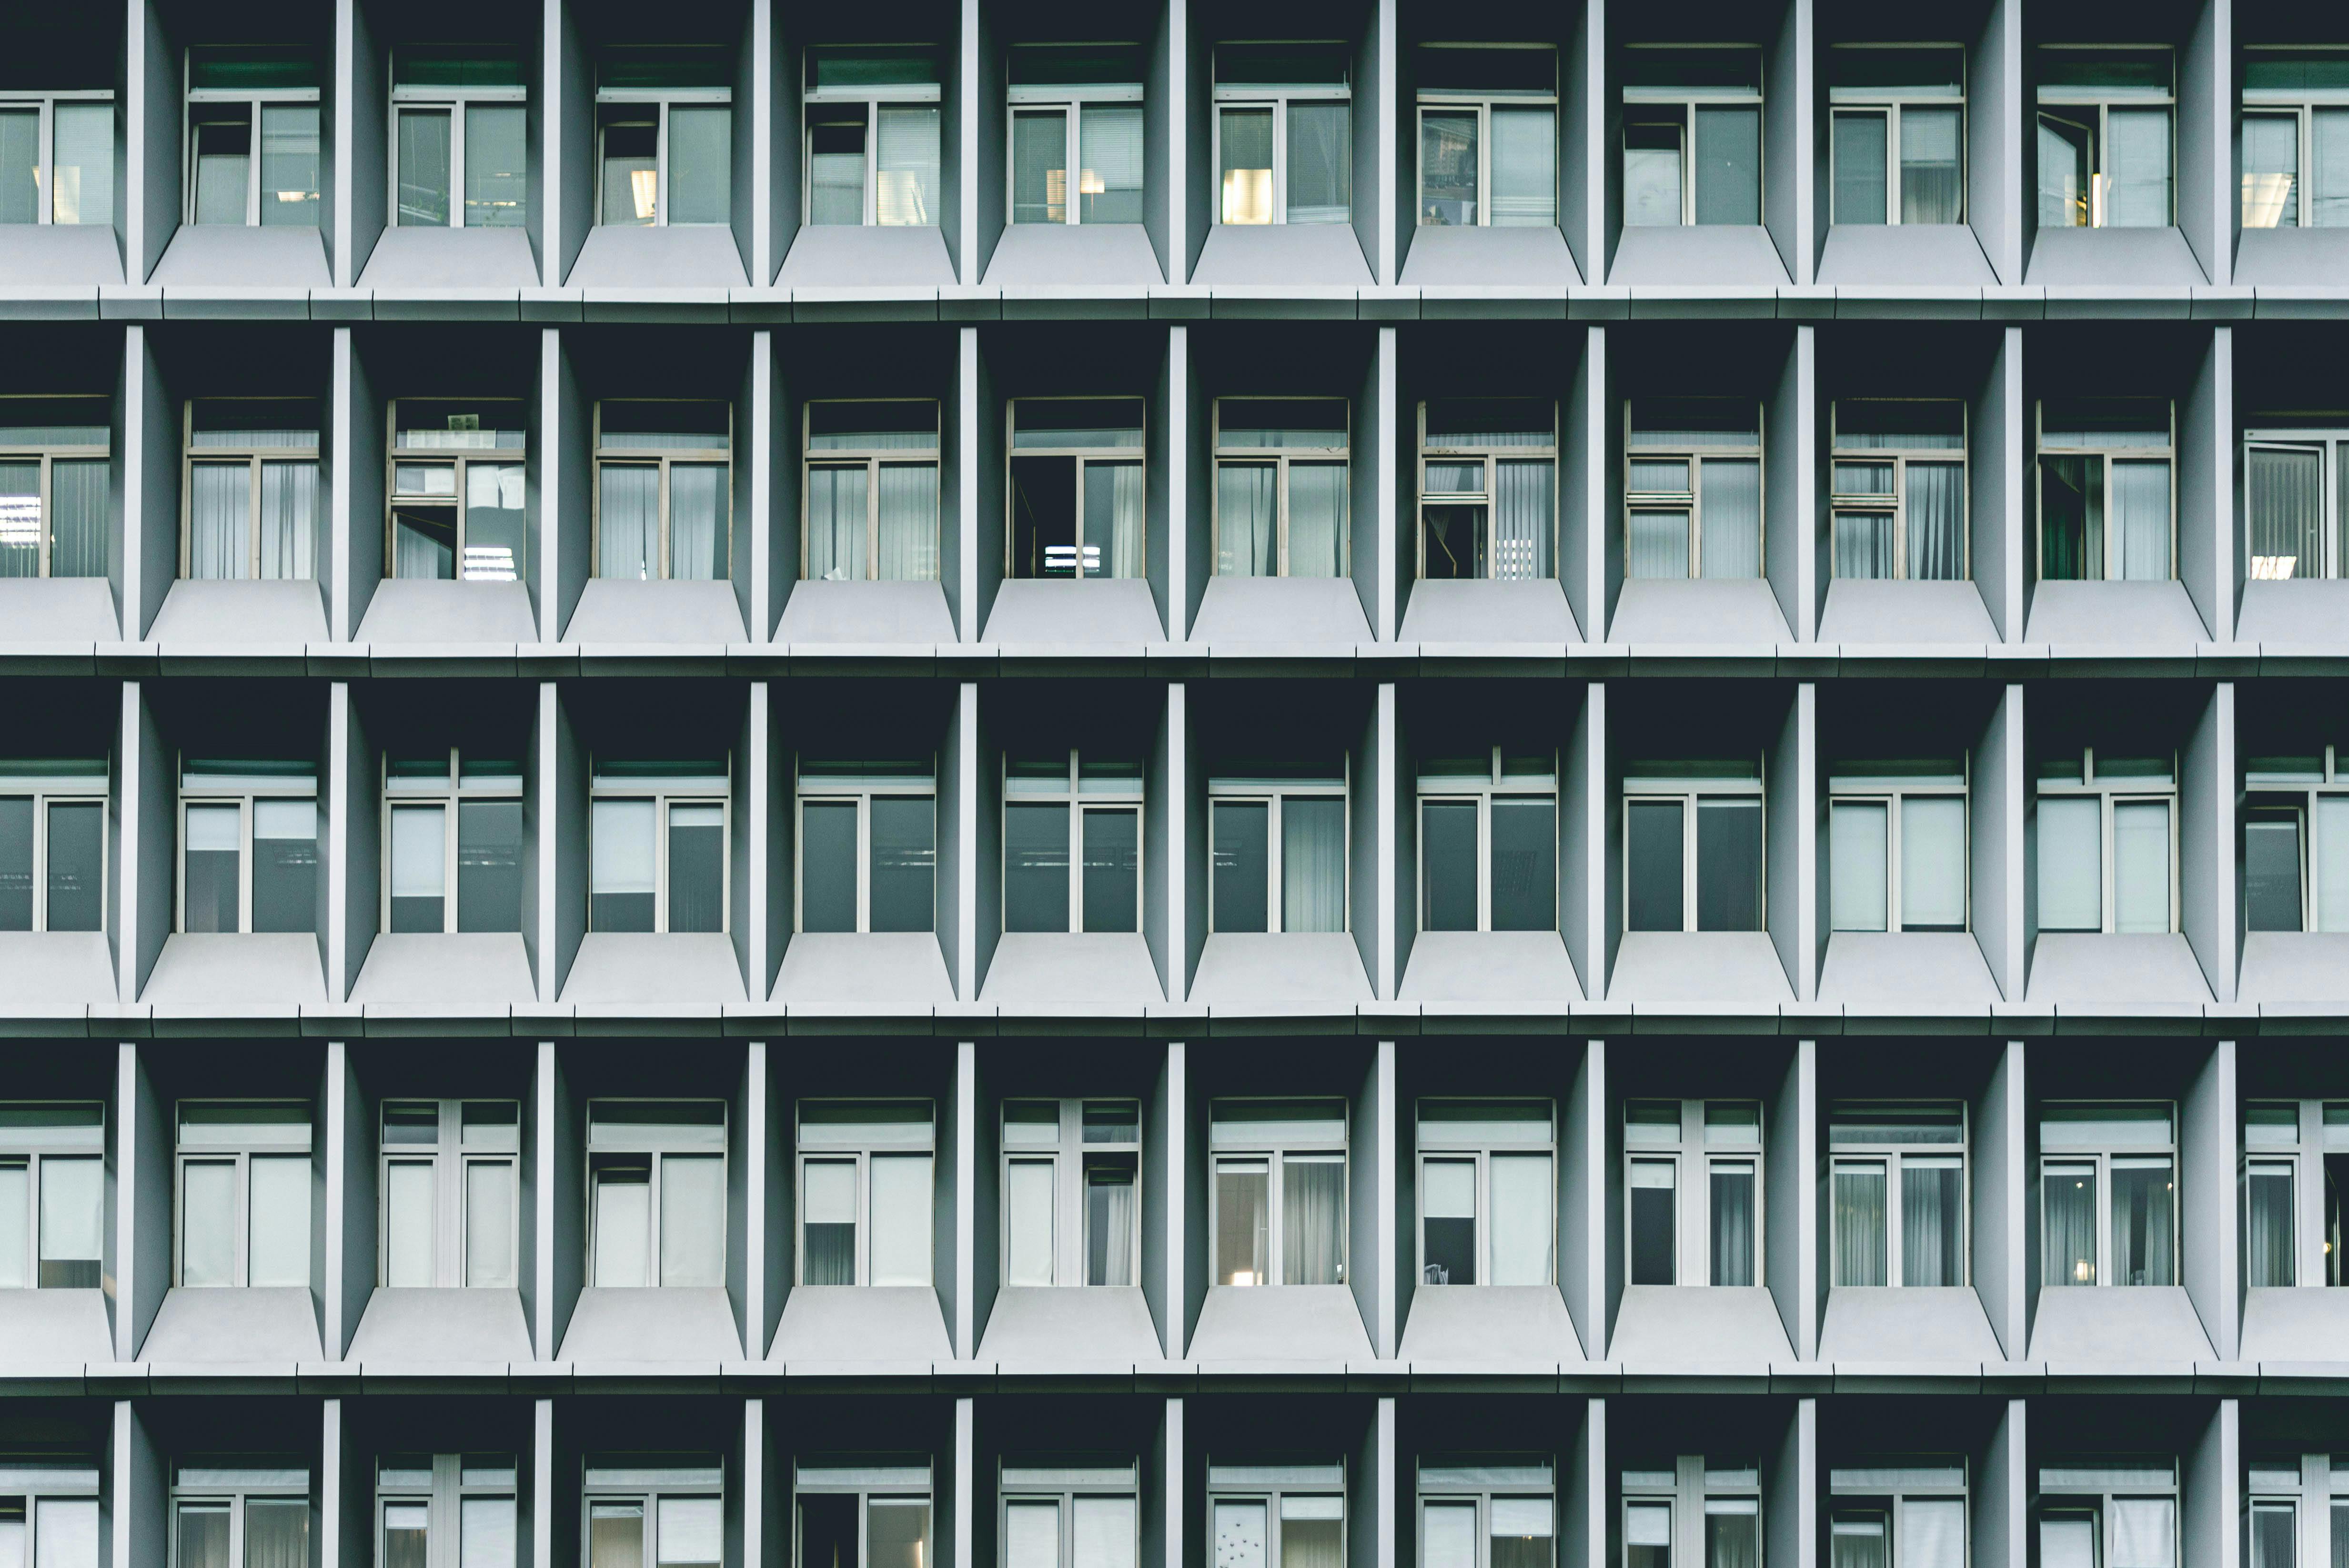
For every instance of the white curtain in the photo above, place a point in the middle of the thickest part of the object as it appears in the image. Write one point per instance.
(1856, 866)
(1123, 556)
(65, 1529)
(629, 524)
(486, 1532)
(1524, 1237)
(1525, 168)
(1448, 1534)
(1857, 1542)
(1313, 864)
(1932, 1533)
(80, 507)
(1933, 862)
(2268, 1227)
(2286, 492)
(289, 520)
(1031, 1534)
(2069, 1202)
(2067, 1542)
(1320, 164)
(2144, 1528)
(1313, 1206)
(908, 545)
(2141, 866)
(1316, 520)
(2140, 501)
(692, 1220)
(1937, 522)
(1659, 544)
(1860, 1243)
(900, 1219)
(20, 518)
(277, 1243)
(1731, 501)
(697, 521)
(278, 1533)
(2144, 1242)
(1244, 519)
(1730, 1194)
(1522, 511)
(1732, 1534)
(1933, 1196)
(1864, 545)
(835, 524)
(1929, 187)
(220, 513)
(1104, 1533)
(2071, 864)
(2332, 856)
(1112, 1194)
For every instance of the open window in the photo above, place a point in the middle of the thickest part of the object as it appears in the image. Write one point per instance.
(1693, 487)
(1077, 468)
(1693, 1192)
(2107, 489)
(1072, 1178)
(254, 147)
(1487, 1193)
(654, 1509)
(2106, 137)
(1692, 134)
(657, 1185)
(873, 117)
(457, 484)
(1487, 488)
(866, 1192)
(863, 1511)
(2296, 842)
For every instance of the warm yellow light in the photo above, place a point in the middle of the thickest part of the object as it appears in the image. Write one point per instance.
(2264, 199)
(1089, 182)
(1248, 195)
(1243, 1276)
(2274, 568)
(2083, 1273)
(66, 199)
(644, 187)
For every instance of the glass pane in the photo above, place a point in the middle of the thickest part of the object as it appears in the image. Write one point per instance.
(489, 1223)
(1109, 1222)
(1860, 172)
(1113, 871)
(2143, 1532)
(2136, 169)
(2068, 1204)
(1447, 191)
(2066, 141)
(284, 865)
(423, 167)
(1523, 1235)
(1733, 1535)
(1447, 1221)
(700, 163)
(1729, 865)
(66, 1533)
(1866, 543)
(497, 172)
(20, 166)
(1453, 541)
(1109, 164)
(2270, 170)
(1731, 1213)
(1247, 172)
(2328, 189)
(696, 867)
(2267, 1224)
(1106, 1533)
(1932, 1221)
(424, 544)
(690, 1533)
(277, 1246)
(693, 1220)
(1651, 170)
(207, 1222)
(1525, 168)
(2141, 866)
(1658, 545)
(1523, 511)
(631, 173)
(203, 1529)
(1932, 187)
(1448, 1534)
(1647, 1535)
(291, 516)
(1240, 1537)
(2144, 1243)
(1243, 1225)
(1313, 865)
(1654, 1221)
(1032, 1530)
(828, 1219)
(623, 1218)
(1933, 862)
(1310, 1532)
(1857, 1541)
(1028, 1201)
(2272, 896)
(289, 180)
(1857, 865)
(486, 1532)
(828, 865)
(2140, 503)
(418, 867)
(615, 1535)
(16, 823)
(1653, 856)
(1728, 165)
(906, 175)
(1035, 867)
(1040, 168)
(408, 1203)
(836, 168)
(219, 521)
(2284, 490)
(2330, 860)
(84, 157)
(1447, 865)
(1731, 507)
(223, 151)
(897, 1530)
(904, 888)
(1525, 863)
(1242, 849)
(2071, 864)
(489, 865)
(900, 1219)
(15, 1223)
(73, 1213)
(1862, 1235)
(2274, 1525)
(697, 502)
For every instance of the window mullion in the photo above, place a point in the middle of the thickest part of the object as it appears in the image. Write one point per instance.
(864, 861)
(660, 166)
(243, 865)
(872, 519)
(660, 863)
(253, 163)
(457, 185)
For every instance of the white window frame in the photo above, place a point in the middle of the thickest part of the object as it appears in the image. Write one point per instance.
(1433, 1148)
(1693, 1157)
(838, 789)
(1061, 1482)
(701, 1141)
(2301, 793)
(1885, 1489)
(2300, 105)
(2100, 1157)
(1069, 1155)
(663, 458)
(449, 794)
(1274, 794)
(2112, 792)
(1449, 101)
(1689, 1494)
(1437, 789)
(871, 99)
(1888, 102)
(1247, 1144)
(48, 456)
(1891, 791)
(1891, 1158)
(255, 100)
(1080, 799)
(1687, 101)
(1279, 459)
(1491, 457)
(2331, 444)
(452, 101)
(1276, 99)
(643, 1483)
(665, 792)
(1479, 1481)
(1691, 500)
(45, 169)
(865, 1477)
(1897, 501)
(654, 104)
(1067, 100)
(2319, 1127)
(872, 459)
(2101, 102)
(458, 505)
(816, 1146)
(452, 1156)
(444, 1498)
(239, 1155)
(237, 1493)
(66, 1478)
(2315, 1488)
(48, 789)
(1273, 1485)
(1689, 790)
(1114, 457)
(254, 459)
(242, 791)
(2165, 454)
(2097, 1501)
(29, 1146)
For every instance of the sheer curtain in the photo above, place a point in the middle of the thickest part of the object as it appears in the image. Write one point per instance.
(835, 524)
(1929, 187)
(1864, 542)
(1659, 545)
(1312, 1217)
(2266, 1234)
(629, 522)
(2141, 518)
(1732, 1193)
(2068, 1200)
(1310, 1530)
(1731, 501)
(1732, 1533)
(1111, 1193)
(2071, 864)
(1114, 518)
(1859, 1542)
(1316, 520)
(220, 513)
(1320, 164)
(1859, 1233)
(2286, 492)
(20, 520)
(289, 520)
(1932, 1533)
(277, 1533)
(1525, 168)
(1313, 865)
(1932, 1197)
(908, 548)
(2144, 1528)
(1244, 519)
(2145, 1247)
(1937, 522)
(697, 521)
(1933, 862)
(1522, 510)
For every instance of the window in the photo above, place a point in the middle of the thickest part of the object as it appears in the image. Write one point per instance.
(1487, 135)
(1897, 845)
(1280, 846)
(1692, 846)
(57, 157)
(1053, 801)
(1280, 487)
(1905, 1511)
(2295, 841)
(52, 844)
(1670, 1501)
(474, 1496)
(49, 1510)
(481, 860)
(867, 1192)
(1487, 1200)
(1487, 488)
(1076, 459)
(2108, 1511)
(1693, 488)
(1899, 134)
(1279, 1198)
(55, 513)
(2107, 843)
(248, 846)
(2104, 136)
(1899, 485)
(868, 844)
(664, 490)
(245, 1193)
(1072, 1513)
(1488, 840)
(2290, 1148)
(865, 1510)
(1693, 1192)
(2296, 502)
(248, 1509)
(655, 1510)
(1076, 107)
(873, 491)
(1486, 1511)
(660, 854)
(656, 1181)
(1288, 1513)
(458, 483)
(1071, 1192)
(2108, 1170)
(52, 1198)
(250, 502)
(872, 134)
(452, 1192)
(239, 96)
(1692, 134)
(665, 117)
(2295, 117)
(460, 147)
(2105, 493)
(1284, 146)
(2277, 1486)
(1900, 1194)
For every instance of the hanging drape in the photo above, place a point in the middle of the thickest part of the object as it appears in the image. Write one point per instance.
(1732, 502)
(1937, 522)
(2141, 519)
(1524, 1239)
(1733, 1535)
(277, 1533)
(417, 555)
(2268, 1227)
(1312, 1529)
(1732, 1193)
(2070, 518)
(1932, 1195)
(907, 550)
(1244, 519)
(1112, 1194)
(2285, 488)
(1313, 1206)
(203, 1535)
(1114, 518)
(2144, 1242)
(2068, 1202)
(2144, 1530)
(1313, 864)
(1864, 544)
(220, 511)
(835, 524)
(697, 521)
(1522, 513)
(1859, 1233)
(289, 520)
(1105, 1536)
(1316, 520)
(1857, 1542)
(1929, 186)
(629, 522)
(1932, 1533)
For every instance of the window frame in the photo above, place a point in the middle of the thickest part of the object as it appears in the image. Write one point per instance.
(1071, 1156)
(2101, 102)
(872, 459)
(858, 1151)
(449, 794)
(1266, 1483)
(1279, 457)
(1479, 1152)
(864, 1481)
(28, 1146)
(861, 792)
(238, 1495)
(1134, 456)
(245, 794)
(444, 1497)
(1689, 1496)
(1480, 1494)
(2299, 105)
(2330, 443)
(1035, 100)
(254, 100)
(1689, 790)
(1890, 1503)
(1690, 1150)
(69, 1475)
(651, 105)
(2100, 1157)
(2099, 1500)
(453, 101)
(2316, 1257)
(1443, 100)
(661, 458)
(659, 790)
(1492, 456)
(1691, 500)
(1061, 1484)
(2110, 794)
(1080, 799)
(45, 791)
(1687, 101)
(1892, 792)
(1274, 794)
(239, 1155)
(2266, 791)
(1891, 1157)
(1498, 784)
(645, 1491)
(1273, 1149)
(2165, 454)
(460, 505)
(1842, 503)
(255, 459)
(1276, 99)
(871, 99)
(1888, 102)
(48, 456)
(656, 1154)
(452, 1157)
(44, 102)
